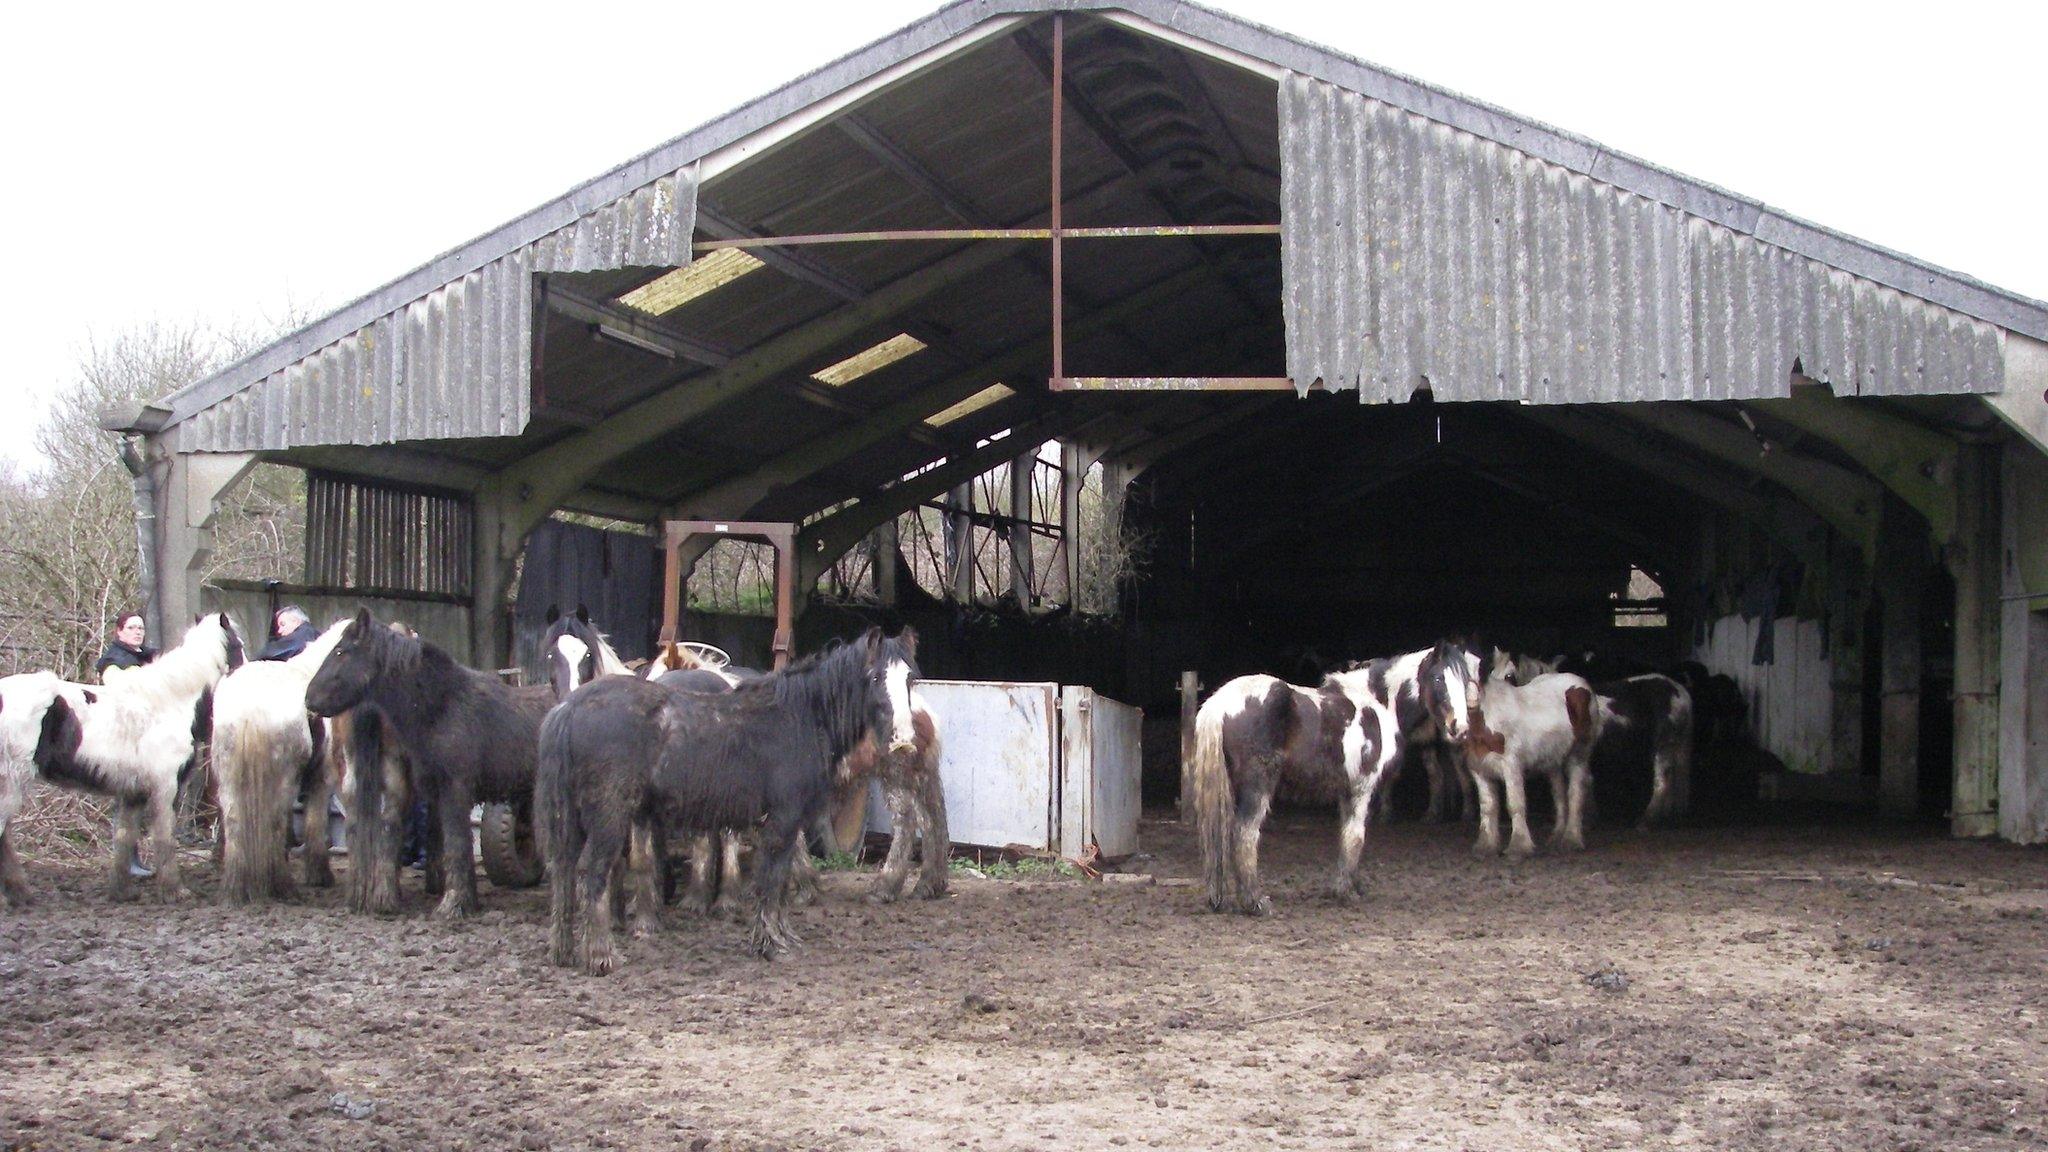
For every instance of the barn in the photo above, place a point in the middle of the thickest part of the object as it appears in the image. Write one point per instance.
(1289, 359)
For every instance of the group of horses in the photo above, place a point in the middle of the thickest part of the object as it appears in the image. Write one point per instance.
(1480, 733)
(584, 777)
(600, 763)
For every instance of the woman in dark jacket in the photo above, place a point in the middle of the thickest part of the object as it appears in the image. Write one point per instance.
(127, 649)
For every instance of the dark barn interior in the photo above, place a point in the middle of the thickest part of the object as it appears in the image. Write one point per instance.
(780, 369)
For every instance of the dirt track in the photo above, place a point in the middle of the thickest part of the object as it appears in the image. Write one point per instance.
(1784, 988)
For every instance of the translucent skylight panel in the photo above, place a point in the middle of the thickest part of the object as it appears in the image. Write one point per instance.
(707, 273)
(873, 360)
(975, 403)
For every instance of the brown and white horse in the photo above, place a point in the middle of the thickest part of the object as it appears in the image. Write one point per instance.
(1548, 725)
(1257, 730)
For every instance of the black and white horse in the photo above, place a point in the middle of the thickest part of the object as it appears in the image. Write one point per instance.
(763, 756)
(467, 736)
(1257, 730)
(267, 750)
(24, 700)
(133, 740)
(576, 652)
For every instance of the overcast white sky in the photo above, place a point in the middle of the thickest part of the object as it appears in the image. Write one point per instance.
(224, 162)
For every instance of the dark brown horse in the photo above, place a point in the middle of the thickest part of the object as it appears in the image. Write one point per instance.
(468, 737)
(763, 757)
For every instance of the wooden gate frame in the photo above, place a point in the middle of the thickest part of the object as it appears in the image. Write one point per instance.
(778, 535)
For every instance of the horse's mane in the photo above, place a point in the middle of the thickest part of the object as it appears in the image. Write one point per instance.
(814, 684)
(310, 657)
(181, 674)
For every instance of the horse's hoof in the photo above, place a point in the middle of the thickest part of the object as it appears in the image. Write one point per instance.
(883, 894)
(1263, 906)
(935, 890)
(1485, 850)
(600, 964)
(1520, 851)
(451, 909)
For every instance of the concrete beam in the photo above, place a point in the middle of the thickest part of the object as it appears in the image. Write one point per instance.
(526, 492)
(187, 490)
(1785, 521)
(1849, 501)
(2024, 403)
(734, 495)
(1917, 463)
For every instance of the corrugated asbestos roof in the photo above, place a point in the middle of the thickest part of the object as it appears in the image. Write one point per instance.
(457, 362)
(1727, 290)
(1414, 253)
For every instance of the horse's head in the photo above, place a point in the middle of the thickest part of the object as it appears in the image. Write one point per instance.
(570, 648)
(218, 631)
(1450, 688)
(1528, 668)
(344, 678)
(891, 667)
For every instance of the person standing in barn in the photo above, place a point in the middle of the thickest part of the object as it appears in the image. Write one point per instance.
(292, 630)
(127, 649)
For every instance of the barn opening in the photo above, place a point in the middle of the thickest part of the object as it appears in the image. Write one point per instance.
(1262, 359)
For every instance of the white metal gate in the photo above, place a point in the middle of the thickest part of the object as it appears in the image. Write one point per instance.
(1033, 765)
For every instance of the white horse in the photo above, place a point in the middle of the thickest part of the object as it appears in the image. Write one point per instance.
(1548, 725)
(131, 740)
(267, 749)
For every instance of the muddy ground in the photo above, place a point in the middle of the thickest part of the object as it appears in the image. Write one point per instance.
(1784, 987)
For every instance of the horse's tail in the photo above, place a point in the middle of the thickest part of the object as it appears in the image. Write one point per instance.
(1215, 806)
(355, 769)
(259, 766)
(553, 807)
(554, 828)
(1606, 715)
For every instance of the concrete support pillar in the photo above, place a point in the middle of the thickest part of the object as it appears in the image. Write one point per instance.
(1073, 475)
(187, 485)
(1902, 562)
(883, 548)
(1846, 602)
(960, 543)
(498, 536)
(1021, 470)
(2023, 636)
(1974, 559)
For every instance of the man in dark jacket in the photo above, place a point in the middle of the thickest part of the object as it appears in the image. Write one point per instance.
(294, 631)
(127, 649)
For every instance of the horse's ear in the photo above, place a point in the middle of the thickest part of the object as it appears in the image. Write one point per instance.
(871, 641)
(908, 638)
(363, 617)
(583, 613)
(554, 614)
